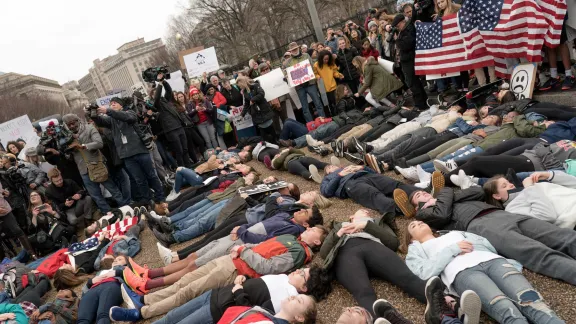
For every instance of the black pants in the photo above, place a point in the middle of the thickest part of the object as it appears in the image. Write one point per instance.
(421, 132)
(269, 152)
(332, 102)
(489, 166)
(196, 144)
(281, 114)
(431, 143)
(361, 259)
(34, 294)
(179, 145)
(374, 191)
(552, 111)
(219, 232)
(514, 146)
(268, 134)
(413, 82)
(418, 138)
(376, 132)
(300, 166)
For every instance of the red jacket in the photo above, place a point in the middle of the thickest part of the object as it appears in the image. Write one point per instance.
(218, 99)
(248, 315)
(53, 262)
(371, 52)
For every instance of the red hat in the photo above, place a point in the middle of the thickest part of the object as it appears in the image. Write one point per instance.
(194, 91)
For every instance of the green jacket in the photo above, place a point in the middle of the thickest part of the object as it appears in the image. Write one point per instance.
(228, 192)
(333, 243)
(293, 60)
(519, 128)
(281, 162)
(379, 81)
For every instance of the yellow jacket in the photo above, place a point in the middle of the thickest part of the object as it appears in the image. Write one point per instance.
(328, 74)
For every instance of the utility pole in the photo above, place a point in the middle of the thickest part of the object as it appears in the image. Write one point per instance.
(315, 20)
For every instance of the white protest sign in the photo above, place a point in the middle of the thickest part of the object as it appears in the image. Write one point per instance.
(239, 121)
(176, 82)
(105, 101)
(300, 73)
(16, 128)
(387, 65)
(522, 81)
(201, 61)
(273, 84)
(441, 76)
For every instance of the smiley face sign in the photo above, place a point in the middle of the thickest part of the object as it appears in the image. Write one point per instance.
(522, 81)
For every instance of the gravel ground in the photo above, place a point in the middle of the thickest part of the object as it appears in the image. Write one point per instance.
(559, 295)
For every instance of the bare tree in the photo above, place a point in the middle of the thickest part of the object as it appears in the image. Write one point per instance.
(36, 106)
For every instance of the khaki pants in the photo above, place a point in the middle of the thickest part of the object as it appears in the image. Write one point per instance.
(481, 76)
(395, 133)
(208, 166)
(449, 147)
(214, 274)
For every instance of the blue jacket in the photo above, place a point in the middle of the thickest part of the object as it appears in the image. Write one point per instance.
(560, 130)
(129, 246)
(258, 213)
(277, 225)
(333, 185)
(460, 127)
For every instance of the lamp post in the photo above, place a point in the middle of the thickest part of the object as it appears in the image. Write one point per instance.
(315, 20)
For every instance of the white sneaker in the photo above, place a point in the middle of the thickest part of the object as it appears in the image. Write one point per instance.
(381, 320)
(156, 217)
(314, 173)
(423, 175)
(173, 195)
(445, 167)
(465, 180)
(470, 307)
(165, 253)
(334, 161)
(409, 173)
(312, 142)
(422, 185)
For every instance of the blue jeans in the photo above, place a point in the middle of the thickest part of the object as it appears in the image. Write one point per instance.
(199, 225)
(142, 170)
(462, 155)
(198, 207)
(450, 320)
(96, 303)
(293, 129)
(312, 91)
(443, 83)
(506, 295)
(186, 176)
(96, 194)
(196, 311)
(318, 134)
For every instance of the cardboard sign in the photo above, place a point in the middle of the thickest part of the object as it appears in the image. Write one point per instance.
(522, 81)
(239, 121)
(105, 101)
(273, 84)
(201, 61)
(16, 128)
(252, 190)
(300, 73)
(185, 52)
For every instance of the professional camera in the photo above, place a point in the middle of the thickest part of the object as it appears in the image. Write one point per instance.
(14, 177)
(150, 75)
(56, 137)
(91, 109)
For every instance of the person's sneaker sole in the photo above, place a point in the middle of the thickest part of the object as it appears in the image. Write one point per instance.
(401, 200)
(314, 173)
(381, 321)
(471, 307)
(375, 306)
(376, 164)
(126, 297)
(334, 161)
(441, 167)
(437, 182)
(434, 281)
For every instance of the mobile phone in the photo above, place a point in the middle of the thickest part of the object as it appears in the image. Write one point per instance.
(41, 208)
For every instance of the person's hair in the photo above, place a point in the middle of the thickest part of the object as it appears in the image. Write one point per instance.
(319, 285)
(359, 60)
(407, 240)
(366, 40)
(357, 34)
(451, 8)
(345, 39)
(340, 91)
(508, 97)
(53, 173)
(295, 191)
(322, 202)
(42, 197)
(491, 188)
(325, 232)
(106, 263)
(245, 79)
(201, 97)
(18, 146)
(181, 106)
(256, 175)
(316, 218)
(247, 157)
(311, 313)
(321, 56)
(65, 279)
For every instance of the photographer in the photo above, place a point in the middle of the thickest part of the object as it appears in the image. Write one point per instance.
(171, 122)
(70, 198)
(15, 195)
(9, 226)
(331, 40)
(132, 150)
(86, 150)
(33, 177)
(420, 10)
(406, 43)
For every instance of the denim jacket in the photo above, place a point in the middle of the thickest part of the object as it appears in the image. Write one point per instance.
(129, 246)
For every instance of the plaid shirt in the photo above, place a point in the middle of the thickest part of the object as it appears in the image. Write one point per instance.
(65, 311)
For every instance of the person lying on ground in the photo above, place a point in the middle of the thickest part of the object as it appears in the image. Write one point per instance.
(63, 310)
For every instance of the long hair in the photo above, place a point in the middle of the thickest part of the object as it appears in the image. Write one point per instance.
(322, 202)
(321, 56)
(200, 99)
(18, 146)
(491, 188)
(64, 279)
(359, 61)
(42, 198)
(340, 91)
(245, 80)
(181, 106)
(451, 8)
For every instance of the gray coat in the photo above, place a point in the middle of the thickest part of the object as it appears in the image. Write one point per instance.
(123, 123)
(32, 174)
(89, 136)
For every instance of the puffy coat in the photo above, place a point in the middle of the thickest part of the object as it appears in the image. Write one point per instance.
(260, 109)
(32, 174)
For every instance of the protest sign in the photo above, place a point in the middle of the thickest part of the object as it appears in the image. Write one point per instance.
(522, 81)
(300, 73)
(16, 128)
(265, 187)
(105, 101)
(273, 84)
(201, 61)
(239, 121)
(176, 82)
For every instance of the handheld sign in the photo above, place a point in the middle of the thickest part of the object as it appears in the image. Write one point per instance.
(265, 187)
(239, 121)
(201, 61)
(522, 81)
(273, 84)
(300, 73)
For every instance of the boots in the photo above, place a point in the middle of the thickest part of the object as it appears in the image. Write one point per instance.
(27, 246)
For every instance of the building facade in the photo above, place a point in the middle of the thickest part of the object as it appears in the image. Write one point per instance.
(29, 85)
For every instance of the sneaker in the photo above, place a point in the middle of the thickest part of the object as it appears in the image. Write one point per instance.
(424, 176)
(165, 254)
(340, 148)
(437, 182)
(120, 314)
(462, 180)
(383, 165)
(568, 83)
(335, 161)
(268, 162)
(422, 185)
(360, 146)
(354, 158)
(164, 225)
(409, 173)
(386, 312)
(143, 210)
(372, 162)
(165, 239)
(445, 167)
(314, 175)
(333, 146)
(141, 271)
(320, 150)
(402, 202)
(173, 195)
(135, 282)
(470, 307)
(131, 298)
(137, 212)
(381, 321)
(312, 142)
(285, 143)
(436, 306)
(549, 84)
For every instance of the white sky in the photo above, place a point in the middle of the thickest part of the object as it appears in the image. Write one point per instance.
(59, 39)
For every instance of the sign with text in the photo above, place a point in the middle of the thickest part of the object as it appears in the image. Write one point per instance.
(105, 101)
(239, 121)
(265, 187)
(201, 61)
(16, 128)
(523, 79)
(300, 73)
(273, 84)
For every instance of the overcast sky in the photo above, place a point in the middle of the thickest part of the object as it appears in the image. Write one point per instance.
(59, 39)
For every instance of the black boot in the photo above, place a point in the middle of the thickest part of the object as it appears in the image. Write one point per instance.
(27, 246)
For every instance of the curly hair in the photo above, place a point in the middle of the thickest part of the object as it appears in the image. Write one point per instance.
(319, 285)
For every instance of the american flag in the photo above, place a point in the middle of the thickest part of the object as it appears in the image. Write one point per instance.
(493, 30)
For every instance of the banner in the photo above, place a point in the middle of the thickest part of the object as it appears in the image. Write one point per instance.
(176, 82)
(16, 128)
(273, 84)
(105, 101)
(252, 190)
(239, 121)
(201, 61)
(300, 73)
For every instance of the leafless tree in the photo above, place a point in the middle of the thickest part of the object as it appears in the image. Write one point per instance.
(36, 106)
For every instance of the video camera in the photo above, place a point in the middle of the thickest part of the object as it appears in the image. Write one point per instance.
(92, 110)
(150, 75)
(56, 137)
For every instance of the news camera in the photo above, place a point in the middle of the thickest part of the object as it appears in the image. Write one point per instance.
(150, 75)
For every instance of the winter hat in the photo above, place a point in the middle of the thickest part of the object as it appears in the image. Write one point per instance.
(118, 101)
(398, 19)
(194, 91)
(31, 151)
(372, 23)
(210, 86)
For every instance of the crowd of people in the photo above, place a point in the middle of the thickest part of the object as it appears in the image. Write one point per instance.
(490, 187)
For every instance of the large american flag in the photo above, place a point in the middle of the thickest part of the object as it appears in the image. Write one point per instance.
(486, 32)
